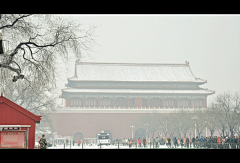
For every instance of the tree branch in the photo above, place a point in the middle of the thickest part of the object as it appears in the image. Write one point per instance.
(11, 25)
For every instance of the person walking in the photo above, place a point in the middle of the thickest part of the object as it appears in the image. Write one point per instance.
(181, 142)
(130, 143)
(169, 142)
(178, 141)
(144, 142)
(201, 141)
(184, 141)
(43, 142)
(219, 142)
(197, 142)
(139, 142)
(79, 142)
(187, 142)
(175, 142)
(193, 142)
(156, 140)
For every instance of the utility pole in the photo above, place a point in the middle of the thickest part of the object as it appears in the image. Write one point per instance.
(146, 131)
(132, 129)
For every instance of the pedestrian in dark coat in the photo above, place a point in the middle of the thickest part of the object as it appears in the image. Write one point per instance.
(181, 142)
(187, 142)
(156, 140)
(175, 142)
(193, 141)
(144, 142)
(43, 142)
(169, 142)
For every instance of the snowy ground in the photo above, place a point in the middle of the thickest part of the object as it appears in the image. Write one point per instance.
(104, 147)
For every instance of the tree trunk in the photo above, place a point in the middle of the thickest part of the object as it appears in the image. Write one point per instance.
(185, 134)
(231, 131)
(211, 131)
(223, 132)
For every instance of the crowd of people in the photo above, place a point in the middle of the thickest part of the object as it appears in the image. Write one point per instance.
(204, 142)
(217, 142)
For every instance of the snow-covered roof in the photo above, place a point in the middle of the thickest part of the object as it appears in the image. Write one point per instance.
(137, 91)
(139, 72)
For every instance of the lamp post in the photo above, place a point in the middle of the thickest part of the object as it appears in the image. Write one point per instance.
(165, 124)
(146, 131)
(195, 118)
(160, 130)
(132, 129)
(206, 128)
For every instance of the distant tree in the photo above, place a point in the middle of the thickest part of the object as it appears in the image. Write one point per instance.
(226, 108)
(200, 120)
(185, 120)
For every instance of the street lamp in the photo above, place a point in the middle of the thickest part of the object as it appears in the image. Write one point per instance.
(194, 118)
(206, 128)
(132, 129)
(160, 129)
(146, 131)
(166, 127)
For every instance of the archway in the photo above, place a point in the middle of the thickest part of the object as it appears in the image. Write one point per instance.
(140, 133)
(77, 136)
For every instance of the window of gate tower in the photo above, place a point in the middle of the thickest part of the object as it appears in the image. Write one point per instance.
(91, 101)
(107, 102)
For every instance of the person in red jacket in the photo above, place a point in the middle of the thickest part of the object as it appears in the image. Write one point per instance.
(139, 142)
(79, 142)
(219, 140)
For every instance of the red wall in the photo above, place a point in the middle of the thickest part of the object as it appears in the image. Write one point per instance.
(138, 102)
(89, 124)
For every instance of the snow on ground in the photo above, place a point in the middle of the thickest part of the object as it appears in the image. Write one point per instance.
(102, 147)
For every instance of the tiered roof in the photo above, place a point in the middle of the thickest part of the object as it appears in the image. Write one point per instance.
(135, 72)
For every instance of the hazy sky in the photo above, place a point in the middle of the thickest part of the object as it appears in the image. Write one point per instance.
(211, 43)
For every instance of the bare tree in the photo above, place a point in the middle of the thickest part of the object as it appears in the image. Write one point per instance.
(200, 120)
(227, 109)
(30, 48)
(33, 43)
(185, 120)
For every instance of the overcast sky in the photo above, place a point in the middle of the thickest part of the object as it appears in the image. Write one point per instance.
(211, 43)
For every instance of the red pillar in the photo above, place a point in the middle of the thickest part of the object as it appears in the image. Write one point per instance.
(98, 102)
(68, 102)
(138, 102)
(65, 103)
(83, 101)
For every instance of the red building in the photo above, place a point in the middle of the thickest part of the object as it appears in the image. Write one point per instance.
(104, 96)
(17, 125)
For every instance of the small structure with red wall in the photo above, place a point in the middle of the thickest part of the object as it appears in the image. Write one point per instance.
(17, 125)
